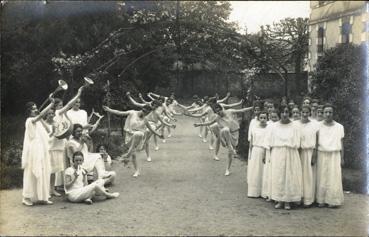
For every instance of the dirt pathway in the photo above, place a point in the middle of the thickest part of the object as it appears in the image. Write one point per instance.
(181, 192)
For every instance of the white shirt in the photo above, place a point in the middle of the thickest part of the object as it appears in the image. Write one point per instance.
(330, 137)
(78, 116)
(79, 181)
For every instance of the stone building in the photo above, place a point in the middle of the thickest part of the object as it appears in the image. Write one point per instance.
(336, 22)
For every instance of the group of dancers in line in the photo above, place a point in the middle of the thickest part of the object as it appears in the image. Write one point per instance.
(295, 153)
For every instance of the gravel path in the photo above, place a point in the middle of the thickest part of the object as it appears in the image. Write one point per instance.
(181, 192)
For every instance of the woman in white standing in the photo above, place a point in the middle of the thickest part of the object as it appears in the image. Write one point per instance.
(284, 141)
(308, 130)
(255, 162)
(330, 159)
(266, 189)
(35, 157)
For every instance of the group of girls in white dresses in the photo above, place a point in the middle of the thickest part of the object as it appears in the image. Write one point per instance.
(295, 159)
(46, 158)
(295, 153)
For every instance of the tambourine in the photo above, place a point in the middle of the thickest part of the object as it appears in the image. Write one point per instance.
(63, 129)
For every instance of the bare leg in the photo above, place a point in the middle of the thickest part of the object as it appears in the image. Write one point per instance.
(226, 136)
(147, 147)
(212, 140)
(98, 188)
(169, 132)
(136, 139)
(134, 162)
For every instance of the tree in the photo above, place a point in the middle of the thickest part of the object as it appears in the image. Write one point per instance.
(339, 78)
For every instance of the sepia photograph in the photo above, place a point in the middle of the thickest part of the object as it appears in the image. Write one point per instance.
(184, 118)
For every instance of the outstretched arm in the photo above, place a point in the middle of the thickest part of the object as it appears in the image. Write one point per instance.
(116, 112)
(240, 110)
(142, 99)
(228, 106)
(44, 111)
(133, 101)
(69, 105)
(225, 98)
(197, 109)
(205, 124)
(186, 107)
(154, 95)
(196, 115)
(151, 98)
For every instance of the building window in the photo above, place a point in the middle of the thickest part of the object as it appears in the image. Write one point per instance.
(320, 40)
(345, 30)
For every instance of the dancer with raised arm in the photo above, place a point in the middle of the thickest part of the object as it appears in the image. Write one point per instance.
(35, 157)
(136, 127)
(229, 129)
(155, 119)
(210, 115)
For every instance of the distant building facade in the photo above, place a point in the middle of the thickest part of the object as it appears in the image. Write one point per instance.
(336, 22)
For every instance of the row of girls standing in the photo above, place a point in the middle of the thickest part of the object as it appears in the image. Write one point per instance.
(295, 161)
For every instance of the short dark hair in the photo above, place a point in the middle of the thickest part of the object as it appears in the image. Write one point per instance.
(75, 127)
(77, 153)
(263, 112)
(282, 108)
(215, 106)
(306, 107)
(329, 105)
(99, 146)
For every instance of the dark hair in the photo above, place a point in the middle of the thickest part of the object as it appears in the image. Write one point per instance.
(170, 100)
(306, 107)
(328, 105)
(282, 108)
(195, 97)
(263, 112)
(320, 107)
(29, 106)
(99, 146)
(211, 100)
(215, 106)
(156, 103)
(57, 101)
(75, 127)
(77, 153)
(148, 108)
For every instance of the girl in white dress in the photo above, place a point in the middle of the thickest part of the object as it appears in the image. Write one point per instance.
(266, 189)
(255, 165)
(308, 130)
(296, 113)
(56, 145)
(136, 126)
(75, 183)
(35, 157)
(107, 163)
(284, 141)
(330, 158)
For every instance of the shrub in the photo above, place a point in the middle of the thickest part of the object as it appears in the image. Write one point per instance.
(339, 79)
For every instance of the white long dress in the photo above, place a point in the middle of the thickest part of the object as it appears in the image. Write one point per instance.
(266, 188)
(255, 166)
(57, 152)
(284, 141)
(36, 162)
(329, 177)
(308, 142)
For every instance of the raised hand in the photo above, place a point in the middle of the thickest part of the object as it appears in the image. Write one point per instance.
(106, 108)
(128, 93)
